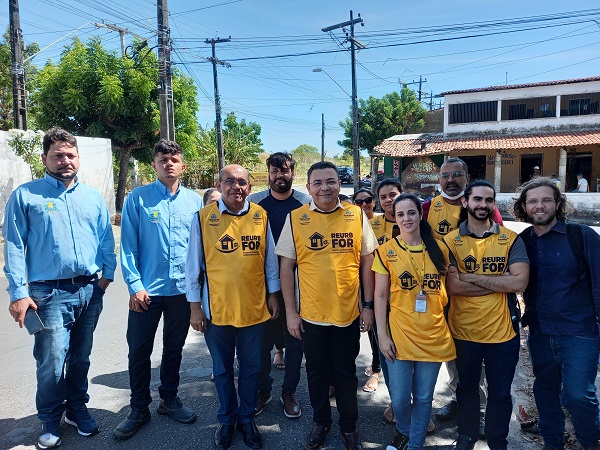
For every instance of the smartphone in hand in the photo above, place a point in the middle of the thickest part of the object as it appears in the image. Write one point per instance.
(32, 321)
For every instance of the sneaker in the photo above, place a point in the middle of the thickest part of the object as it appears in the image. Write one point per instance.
(80, 418)
(464, 443)
(400, 442)
(263, 399)
(291, 407)
(49, 435)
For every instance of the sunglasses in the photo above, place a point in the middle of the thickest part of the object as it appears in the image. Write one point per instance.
(366, 201)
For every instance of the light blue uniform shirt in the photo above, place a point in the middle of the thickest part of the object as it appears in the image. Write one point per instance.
(155, 228)
(195, 262)
(52, 233)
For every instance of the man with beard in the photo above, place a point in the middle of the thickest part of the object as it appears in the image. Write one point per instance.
(487, 262)
(279, 201)
(561, 312)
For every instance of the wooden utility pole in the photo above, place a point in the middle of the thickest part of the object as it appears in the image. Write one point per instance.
(353, 44)
(218, 121)
(17, 69)
(165, 73)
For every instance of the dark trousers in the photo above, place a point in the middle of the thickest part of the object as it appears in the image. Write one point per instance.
(500, 362)
(332, 351)
(376, 364)
(141, 329)
(293, 354)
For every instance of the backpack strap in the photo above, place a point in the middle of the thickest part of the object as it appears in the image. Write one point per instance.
(575, 238)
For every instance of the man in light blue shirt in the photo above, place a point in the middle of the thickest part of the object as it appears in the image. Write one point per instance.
(58, 237)
(155, 228)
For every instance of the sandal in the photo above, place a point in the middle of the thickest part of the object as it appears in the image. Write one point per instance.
(278, 360)
(388, 415)
(430, 428)
(372, 382)
(369, 370)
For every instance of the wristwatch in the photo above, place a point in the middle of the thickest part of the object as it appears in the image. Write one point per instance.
(368, 305)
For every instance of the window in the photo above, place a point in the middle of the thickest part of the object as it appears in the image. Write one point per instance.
(528, 108)
(580, 104)
(473, 112)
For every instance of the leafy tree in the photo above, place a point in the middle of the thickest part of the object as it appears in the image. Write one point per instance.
(380, 118)
(94, 92)
(7, 119)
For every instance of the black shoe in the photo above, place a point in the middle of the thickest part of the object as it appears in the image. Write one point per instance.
(447, 412)
(400, 442)
(351, 440)
(129, 426)
(464, 443)
(223, 437)
(174, 408)
(251, 435)
(316, 437)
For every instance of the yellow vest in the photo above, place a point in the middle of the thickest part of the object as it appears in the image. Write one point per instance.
(486, 318)
(328, 249)
(382, 228)
(234, 252)
(417, 336)
(443, 217)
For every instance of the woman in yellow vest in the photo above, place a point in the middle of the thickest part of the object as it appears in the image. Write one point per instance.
(410, 270)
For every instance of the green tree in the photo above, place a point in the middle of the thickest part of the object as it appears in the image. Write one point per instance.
(94, 92)
(380, 118)
(7, 120)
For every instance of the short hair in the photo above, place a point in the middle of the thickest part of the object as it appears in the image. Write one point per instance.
(207, 194)
(457, 160)
(580, 175)
(518, 209)
(165, 146)
(223, 170)
(54, 135)
(280, 160)
(478, 183)
(320, 166)
(389, 182)
(361, 191)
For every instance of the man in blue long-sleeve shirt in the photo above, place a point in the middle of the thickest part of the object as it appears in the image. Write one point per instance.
(155, 228)
(562, 302)
(58, 238)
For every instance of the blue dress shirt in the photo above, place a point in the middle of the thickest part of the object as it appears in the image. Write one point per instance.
(195, 261)
(52, 233)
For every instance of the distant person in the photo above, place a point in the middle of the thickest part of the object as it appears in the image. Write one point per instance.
(211, 195)
(58, 238)
(582, 184)
(536, 172)
(555, 180)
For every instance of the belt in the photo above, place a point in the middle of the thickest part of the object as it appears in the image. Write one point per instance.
(82, 279)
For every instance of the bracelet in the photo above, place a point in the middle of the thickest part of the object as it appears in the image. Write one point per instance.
(368, 305)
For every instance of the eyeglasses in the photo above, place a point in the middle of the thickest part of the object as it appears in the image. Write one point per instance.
(366, 201)
(455, 174)
(544, 201)
(230, 182)
(329, 183)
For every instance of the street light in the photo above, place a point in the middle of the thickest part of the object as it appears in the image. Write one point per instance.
(319, 69)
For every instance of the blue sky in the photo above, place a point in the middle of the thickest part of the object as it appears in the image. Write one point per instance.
(286, 97)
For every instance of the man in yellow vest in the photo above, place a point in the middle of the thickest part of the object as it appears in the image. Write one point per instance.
(332, 244)
(487, 262)
(231, 266)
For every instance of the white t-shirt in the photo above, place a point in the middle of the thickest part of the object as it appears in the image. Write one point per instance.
(582, 185)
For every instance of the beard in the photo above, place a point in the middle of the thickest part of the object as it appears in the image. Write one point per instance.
(473, 213)
(542, 220)
(62, 176)
(279, 187)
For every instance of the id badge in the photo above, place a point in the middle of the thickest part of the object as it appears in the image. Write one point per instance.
(421, 302)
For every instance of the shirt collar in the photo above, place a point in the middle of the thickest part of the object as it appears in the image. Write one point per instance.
(560, 227)
(163, 189)
(464, 230)
(313, 207)
(58, 184)
(223, 208)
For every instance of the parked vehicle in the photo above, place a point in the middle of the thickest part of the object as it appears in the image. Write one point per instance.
(346, 174)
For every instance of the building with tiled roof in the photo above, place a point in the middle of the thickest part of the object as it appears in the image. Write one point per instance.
(503, 132)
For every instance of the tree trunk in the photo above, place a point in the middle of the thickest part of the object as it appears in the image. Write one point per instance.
(123, 171)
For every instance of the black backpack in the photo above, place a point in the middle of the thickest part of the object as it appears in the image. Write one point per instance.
(574, 237)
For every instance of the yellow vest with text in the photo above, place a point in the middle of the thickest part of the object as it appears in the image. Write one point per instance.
(418, 336)
(328, 249)
(484, 319)
(443, 217)
(234, 252)
(382, 228)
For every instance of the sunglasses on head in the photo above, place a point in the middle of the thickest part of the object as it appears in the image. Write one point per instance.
(366, 201)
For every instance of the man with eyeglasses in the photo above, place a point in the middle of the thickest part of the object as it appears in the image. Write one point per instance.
(332, 245)
(561, 310)
(232, 283)
(278, 201)
(443, 213)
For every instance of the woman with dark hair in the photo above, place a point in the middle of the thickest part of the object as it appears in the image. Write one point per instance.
(410, 271)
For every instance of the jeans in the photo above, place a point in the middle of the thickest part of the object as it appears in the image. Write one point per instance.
(293, 354)
(222, 342)
(572, 362)
(413, 383)
(331, 359)
(62, 349)
(500, 362)
(141, 329)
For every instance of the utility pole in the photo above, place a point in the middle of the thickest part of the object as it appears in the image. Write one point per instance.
(322, 137)
(218, 124)
(122, 32)
(165, 73)
(353, 44)
(17, 69)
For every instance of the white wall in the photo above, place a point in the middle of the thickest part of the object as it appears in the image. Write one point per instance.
(96, 169)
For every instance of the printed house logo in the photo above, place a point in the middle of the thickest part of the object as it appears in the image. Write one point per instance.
(317, 242)
(444, 227)
(471, 264)
(407, 281)
(50, 207)
(227, 244)
(154, 216)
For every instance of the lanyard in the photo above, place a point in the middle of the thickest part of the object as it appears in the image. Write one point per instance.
(419, 274)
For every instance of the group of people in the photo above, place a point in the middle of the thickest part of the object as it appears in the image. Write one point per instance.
(432, 282)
